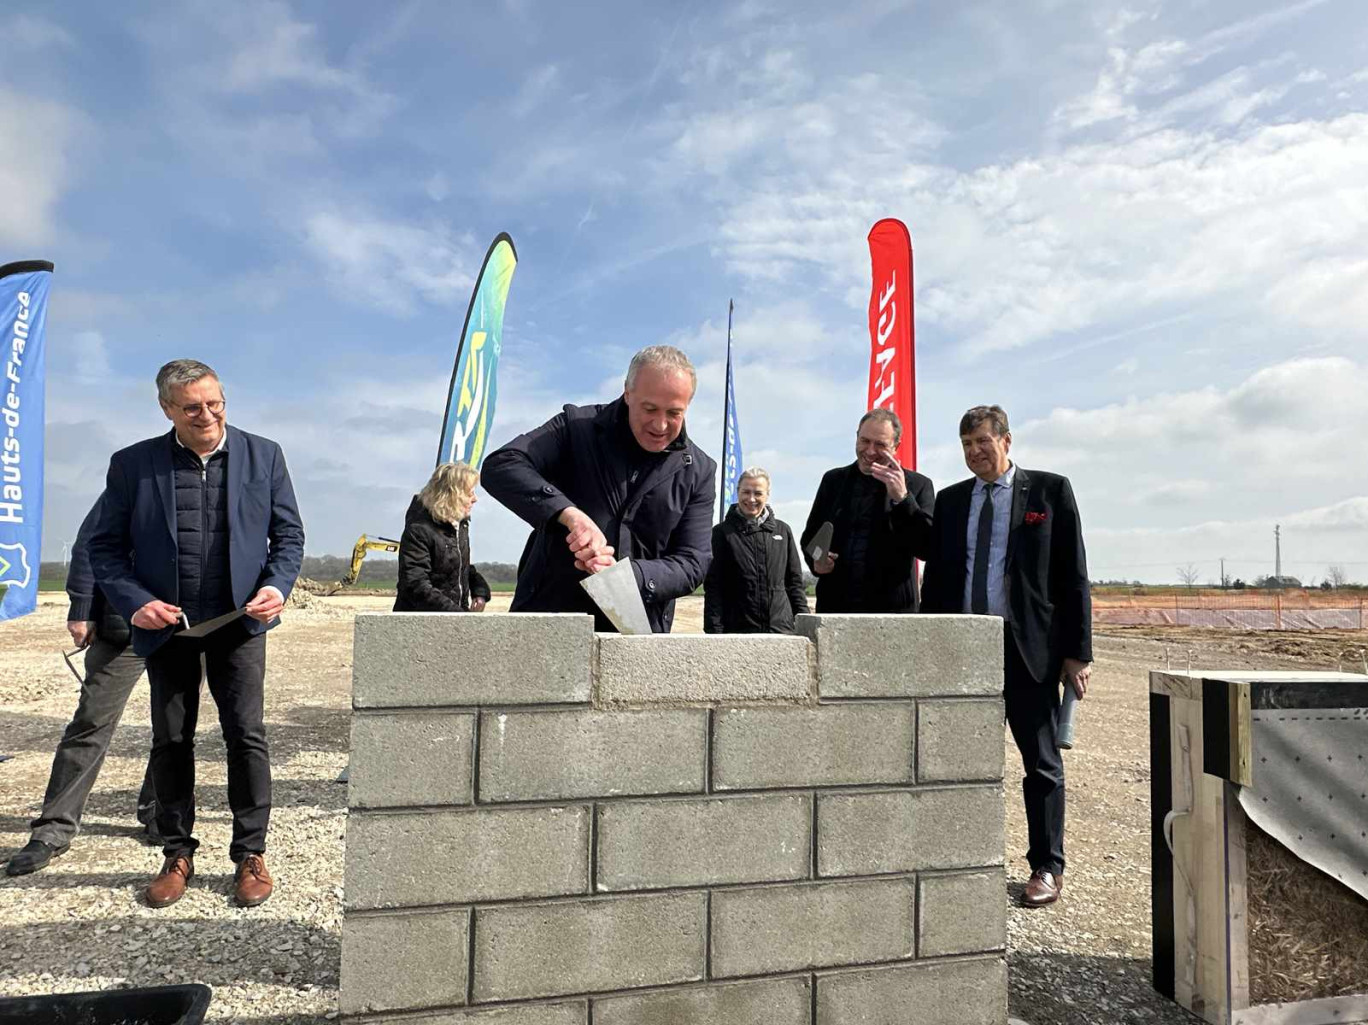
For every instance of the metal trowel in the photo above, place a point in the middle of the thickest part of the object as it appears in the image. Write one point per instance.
(615, 592)
(821, 543)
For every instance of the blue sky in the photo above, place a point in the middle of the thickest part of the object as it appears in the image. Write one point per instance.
(1140, 227)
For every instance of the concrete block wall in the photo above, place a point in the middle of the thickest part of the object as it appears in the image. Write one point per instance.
(553, 827)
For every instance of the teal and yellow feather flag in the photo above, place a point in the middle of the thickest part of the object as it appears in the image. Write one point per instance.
(470, 399)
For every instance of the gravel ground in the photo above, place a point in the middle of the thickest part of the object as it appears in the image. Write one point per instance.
(79, 925)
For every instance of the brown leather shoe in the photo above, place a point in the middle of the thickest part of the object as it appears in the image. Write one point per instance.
(253, 883)
(1044, 887)
(169, 886)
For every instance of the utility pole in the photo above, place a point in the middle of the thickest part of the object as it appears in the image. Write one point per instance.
(1223, 578)
(1277, 553)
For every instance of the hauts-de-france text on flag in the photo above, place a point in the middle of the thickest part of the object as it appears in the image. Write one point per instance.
(23, 318)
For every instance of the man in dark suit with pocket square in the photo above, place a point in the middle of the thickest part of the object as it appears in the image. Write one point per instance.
(1008, 542)
(196, 524)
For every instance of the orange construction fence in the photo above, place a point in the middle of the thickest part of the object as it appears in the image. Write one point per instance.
(1247, 609)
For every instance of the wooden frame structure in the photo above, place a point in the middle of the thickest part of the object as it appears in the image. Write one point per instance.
(1201, 752)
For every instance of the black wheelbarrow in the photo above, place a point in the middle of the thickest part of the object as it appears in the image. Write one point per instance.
(155, 1005)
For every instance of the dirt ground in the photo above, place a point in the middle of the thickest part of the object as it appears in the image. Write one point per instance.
(79, 925)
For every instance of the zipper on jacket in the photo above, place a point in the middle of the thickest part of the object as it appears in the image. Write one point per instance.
(204, 529)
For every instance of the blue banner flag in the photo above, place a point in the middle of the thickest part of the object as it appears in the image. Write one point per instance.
(470, 399)
(732, 462)
(23, 319)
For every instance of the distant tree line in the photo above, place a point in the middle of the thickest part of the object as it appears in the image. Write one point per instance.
(384, 573)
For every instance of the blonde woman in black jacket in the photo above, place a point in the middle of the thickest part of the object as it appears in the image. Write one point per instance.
(755, 581)
(435, 571)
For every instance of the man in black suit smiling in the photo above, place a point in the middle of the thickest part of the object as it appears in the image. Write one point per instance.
(1008, 542)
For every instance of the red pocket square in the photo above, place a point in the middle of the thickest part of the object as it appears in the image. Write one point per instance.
(1035, 517)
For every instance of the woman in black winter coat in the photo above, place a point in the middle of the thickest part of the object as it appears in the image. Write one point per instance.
(435, 571)
(755, 582)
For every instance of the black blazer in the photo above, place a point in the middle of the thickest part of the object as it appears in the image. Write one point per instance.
(1045, 578)
(579, 457)
(133, 546)
(896, 541)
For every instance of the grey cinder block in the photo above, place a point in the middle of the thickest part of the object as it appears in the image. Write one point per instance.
(762, 1002)
(959, 740)
(529, 756)
(830, 745)
(961, 913)
(586, 946)
(666, 669)
(380, 954)
(410, 759)
(688, 842)
(424, 659)
(943, 993)
(909, 830)
(570, 1012)
(409, 859)
(866, 656)
(789, 928)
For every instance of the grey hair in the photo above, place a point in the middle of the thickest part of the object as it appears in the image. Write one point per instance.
(883, 416)
(755, 473)
(666, 356)
(995, 415)
(180, 372)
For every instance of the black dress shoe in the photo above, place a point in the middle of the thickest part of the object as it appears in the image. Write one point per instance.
(34, 855)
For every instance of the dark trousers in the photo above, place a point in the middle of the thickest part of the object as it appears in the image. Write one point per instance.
(235, 664)
(111, 671)
(1032, 715)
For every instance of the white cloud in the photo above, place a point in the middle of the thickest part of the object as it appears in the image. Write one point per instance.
(437, 187)
(1312, 540)
(1131, 76)
(253, 67)
(536, 88)
(1181, 199)
(274, 48)
(36, 169)
(391, 264)
(1013, 254)
(1180, 476)
(91, 357)
(34, 33)
(1349, 515)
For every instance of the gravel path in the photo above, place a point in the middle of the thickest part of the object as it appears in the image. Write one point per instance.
(79, 925)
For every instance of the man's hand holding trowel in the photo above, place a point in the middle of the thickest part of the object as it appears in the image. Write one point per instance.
(588, 546)
(611, 584)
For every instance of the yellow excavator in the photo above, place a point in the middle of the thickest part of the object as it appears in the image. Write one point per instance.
(363, 545)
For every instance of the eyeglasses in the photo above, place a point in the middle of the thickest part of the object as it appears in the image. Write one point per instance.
(215, 407)
(66, 655)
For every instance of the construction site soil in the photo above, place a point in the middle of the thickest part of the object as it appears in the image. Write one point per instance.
(80, 924)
